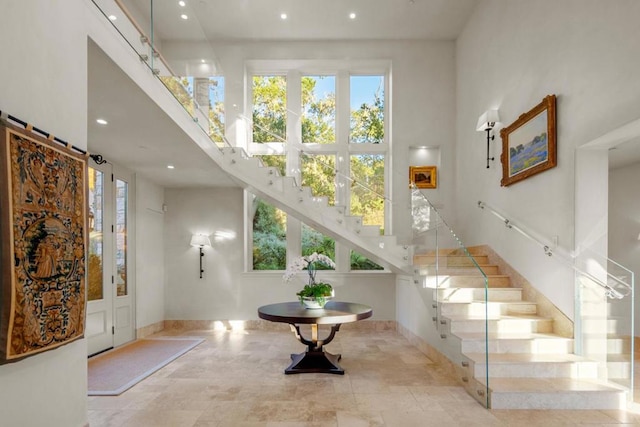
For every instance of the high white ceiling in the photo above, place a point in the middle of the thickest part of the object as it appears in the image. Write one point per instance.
(308, 19)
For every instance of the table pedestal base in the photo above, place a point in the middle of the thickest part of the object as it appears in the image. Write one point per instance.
(315, 361)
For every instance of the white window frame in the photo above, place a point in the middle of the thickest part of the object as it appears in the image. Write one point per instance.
(294, 70)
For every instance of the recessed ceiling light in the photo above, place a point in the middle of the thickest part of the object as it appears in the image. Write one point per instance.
(182, 3)
(170, 167)
(101, 121)
(352, 15)
(113, 17)
(183, 16)
(203, 61)
(283, 16)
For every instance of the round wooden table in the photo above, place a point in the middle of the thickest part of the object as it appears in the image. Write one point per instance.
(334, 313)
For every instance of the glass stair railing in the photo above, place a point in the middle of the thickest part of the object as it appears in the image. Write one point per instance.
(457, 292)
(604, 304)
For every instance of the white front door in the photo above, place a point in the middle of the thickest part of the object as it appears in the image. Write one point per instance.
(110, 319)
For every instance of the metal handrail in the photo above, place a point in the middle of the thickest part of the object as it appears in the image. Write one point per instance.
(609, 291)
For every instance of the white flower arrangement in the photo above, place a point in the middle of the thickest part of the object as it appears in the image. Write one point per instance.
(318, 292)
(310, 263)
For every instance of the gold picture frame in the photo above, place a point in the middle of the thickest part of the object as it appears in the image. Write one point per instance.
(424, 176)
(529, 143)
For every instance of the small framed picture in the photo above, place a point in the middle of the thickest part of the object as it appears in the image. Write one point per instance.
(423, 176)
(529, 143)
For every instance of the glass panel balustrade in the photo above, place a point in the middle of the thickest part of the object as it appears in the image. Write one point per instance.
(456, 292)
(604, 304)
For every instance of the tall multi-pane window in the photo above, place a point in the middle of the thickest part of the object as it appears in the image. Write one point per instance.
(208, 94)
(269, 108)
(315, 241)
(319, 173)
(276, 161)
(319, 151)
(367, 192)
(367, 109)
(269, 236)
(318, 109)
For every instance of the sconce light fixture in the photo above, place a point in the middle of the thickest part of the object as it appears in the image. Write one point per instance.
(200, 240)
(486, 122)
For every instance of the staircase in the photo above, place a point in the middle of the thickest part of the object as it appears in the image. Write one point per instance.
(334, 221)
(529, 366)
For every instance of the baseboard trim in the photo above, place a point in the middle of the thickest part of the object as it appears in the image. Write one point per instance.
(264, 325)
(154, 328)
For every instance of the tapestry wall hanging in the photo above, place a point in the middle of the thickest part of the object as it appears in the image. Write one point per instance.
(42, 246)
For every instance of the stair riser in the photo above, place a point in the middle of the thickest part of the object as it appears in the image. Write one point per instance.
(538, 346)
(557, 399)
(605, 325)
(473, 251)
(612, 346)
(618, 346)
(537, 370)
(503, 325)
(478, 294)
(494, 309)
(447, 262)
(619, 370)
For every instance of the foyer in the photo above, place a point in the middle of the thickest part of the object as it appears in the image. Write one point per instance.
(504, 54)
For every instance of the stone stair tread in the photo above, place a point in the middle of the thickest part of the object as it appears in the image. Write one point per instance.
(481, 301)
(474, 336)
(504, 358)
(548, 385)
(499, 317)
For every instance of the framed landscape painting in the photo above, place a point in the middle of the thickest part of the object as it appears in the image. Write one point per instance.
(529, 143)
(423, 176)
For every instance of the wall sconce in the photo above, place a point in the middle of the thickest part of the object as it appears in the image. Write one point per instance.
(486, 122)
(200, 240)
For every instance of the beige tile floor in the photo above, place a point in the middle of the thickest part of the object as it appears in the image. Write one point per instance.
(237, 379)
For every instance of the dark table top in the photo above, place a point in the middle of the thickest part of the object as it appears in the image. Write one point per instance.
(334, 312)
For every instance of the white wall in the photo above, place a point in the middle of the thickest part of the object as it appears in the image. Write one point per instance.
(150, 279)
(225, 292)
(423, 97)
(511, 54)
(47, 86)
(624, 224)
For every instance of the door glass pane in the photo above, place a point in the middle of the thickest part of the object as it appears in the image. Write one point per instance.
(122, 190)
(96, 260)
